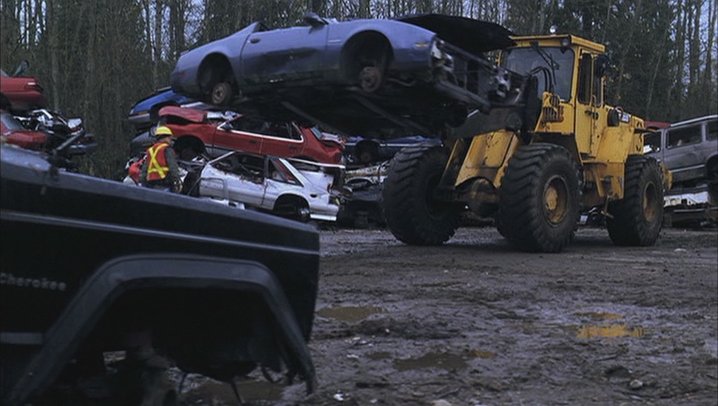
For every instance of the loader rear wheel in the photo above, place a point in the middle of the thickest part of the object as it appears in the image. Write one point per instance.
(413, 214)
(539, 198)
(637, 218)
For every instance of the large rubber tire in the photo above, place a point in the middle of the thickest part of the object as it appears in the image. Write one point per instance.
(539, 198)
(412, 213)
(637, 218)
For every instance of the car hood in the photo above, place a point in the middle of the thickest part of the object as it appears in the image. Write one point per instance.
(160, 96)
(468, 34)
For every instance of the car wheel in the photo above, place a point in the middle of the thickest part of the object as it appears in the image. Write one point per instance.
(366, 59)
(371, 78)
(222, 94)
(292, 207)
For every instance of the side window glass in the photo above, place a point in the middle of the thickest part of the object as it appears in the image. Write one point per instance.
(295, 133)
(684, 136)
(712, 130)
(652, 142)
(598, 91)
(585, 74)
(278, 172)
(278, 130)
(248, 124)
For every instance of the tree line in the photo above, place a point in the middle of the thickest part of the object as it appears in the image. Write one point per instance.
(96, 58)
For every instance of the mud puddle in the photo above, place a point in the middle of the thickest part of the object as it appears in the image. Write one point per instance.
(349, 314)
(609, 331)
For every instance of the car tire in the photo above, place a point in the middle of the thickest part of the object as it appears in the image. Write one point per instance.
(222, 94)
(371, 78)
(367, 61)
(293, 208)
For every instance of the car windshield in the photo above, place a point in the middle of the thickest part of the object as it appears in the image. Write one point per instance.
(10, 122)
(2, 73)
(524, 60)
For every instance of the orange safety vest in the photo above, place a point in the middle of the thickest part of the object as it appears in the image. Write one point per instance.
(157, 167)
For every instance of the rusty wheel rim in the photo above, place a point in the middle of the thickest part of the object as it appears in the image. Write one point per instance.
(219, 93)
(555, 200)
(370, 78)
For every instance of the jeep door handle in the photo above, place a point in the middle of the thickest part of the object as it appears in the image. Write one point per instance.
(254, 40)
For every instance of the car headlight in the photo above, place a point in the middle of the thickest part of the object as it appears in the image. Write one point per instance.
(422, 44)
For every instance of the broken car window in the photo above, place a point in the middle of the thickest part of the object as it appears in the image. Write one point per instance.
(652, 142)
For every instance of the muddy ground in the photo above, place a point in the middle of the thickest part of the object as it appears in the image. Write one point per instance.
(477, 323)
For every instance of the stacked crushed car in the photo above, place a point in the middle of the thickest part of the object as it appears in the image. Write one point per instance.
(25, 121)
(285, 168)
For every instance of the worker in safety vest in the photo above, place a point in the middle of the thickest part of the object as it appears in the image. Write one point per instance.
(160, 170)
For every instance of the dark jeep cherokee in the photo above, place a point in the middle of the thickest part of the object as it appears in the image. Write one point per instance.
(91, 268)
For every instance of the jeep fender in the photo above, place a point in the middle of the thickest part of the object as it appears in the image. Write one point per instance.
(165, 271)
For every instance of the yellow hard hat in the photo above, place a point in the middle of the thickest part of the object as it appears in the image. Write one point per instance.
(162, 131)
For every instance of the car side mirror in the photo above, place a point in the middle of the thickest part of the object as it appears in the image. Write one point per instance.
(225, 126)
(21, 68)
(314, 20)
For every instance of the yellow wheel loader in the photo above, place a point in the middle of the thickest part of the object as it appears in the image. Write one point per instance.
(555, 150)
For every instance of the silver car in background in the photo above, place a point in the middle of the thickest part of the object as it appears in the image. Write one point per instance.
(689, 149)
(292, 188)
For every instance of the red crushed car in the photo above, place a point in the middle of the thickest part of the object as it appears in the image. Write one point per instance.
(20, 93)
(14, 133)
(215, 133)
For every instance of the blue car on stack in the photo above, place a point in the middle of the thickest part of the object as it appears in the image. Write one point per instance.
(405, 76)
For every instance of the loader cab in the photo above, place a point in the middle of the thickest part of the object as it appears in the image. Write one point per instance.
(578, 67)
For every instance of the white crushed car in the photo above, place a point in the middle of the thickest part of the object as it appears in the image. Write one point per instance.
(291, 188)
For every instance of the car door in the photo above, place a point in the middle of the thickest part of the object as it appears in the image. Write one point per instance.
(681, 155)
(239, 134)
(288, 53)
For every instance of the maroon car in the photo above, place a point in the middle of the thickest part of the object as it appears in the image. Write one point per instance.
(219, 132)
(20, 93)
(14, 133)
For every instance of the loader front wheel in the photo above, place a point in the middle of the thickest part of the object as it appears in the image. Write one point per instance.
(637, 218)
(413, 213)
(539, 198)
